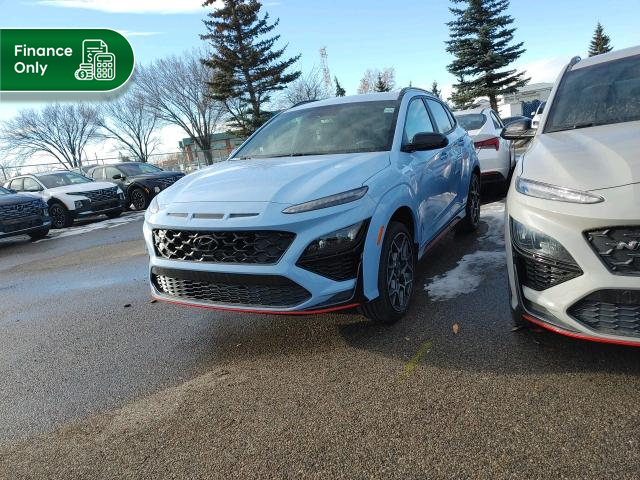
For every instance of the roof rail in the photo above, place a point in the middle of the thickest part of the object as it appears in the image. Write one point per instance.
(405, 89)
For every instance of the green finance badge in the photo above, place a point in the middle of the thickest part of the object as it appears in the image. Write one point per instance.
(64, 60)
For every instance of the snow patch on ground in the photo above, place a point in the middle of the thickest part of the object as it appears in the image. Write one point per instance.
(470, 271)
(100, 225)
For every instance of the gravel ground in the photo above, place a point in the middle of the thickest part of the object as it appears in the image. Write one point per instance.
(93, 388)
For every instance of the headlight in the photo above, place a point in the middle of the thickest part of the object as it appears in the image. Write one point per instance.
(330, 201)
(537, 243)
(552, 192)
(154, 206)
(335, 242)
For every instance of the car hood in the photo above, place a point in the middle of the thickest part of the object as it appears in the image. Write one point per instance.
(280, 180)
(586, 159)
(15, 199)
(81, 187)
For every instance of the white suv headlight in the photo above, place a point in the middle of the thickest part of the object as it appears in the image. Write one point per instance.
(330, 201)
(552, 192)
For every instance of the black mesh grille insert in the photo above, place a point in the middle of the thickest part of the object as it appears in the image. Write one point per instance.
(102, 195)
(230, 289)
(615, 312)
(21, 210)
(166, 181)
(252, 247)
(618, 248)
(540, 273)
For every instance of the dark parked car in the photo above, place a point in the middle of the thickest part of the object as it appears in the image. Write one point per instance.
(23, 215)
(140, 182)
(509, 120)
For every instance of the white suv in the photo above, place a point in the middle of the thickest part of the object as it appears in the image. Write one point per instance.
(573, 234)
(71, 195)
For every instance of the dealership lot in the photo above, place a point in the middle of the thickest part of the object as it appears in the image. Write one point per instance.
(96, 374)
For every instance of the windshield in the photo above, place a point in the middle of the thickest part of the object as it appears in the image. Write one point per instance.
(132, 169)
(4, 191)
(471, 121)
(599, 95)
(53, 180)
(331, 129)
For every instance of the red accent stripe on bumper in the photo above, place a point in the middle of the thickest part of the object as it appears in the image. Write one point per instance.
(579, 336)
(260, 312)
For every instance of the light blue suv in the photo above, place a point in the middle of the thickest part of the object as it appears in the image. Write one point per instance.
(327, 207)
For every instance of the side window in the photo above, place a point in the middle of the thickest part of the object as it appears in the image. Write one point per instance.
(417, 121)
(496, 121)
(97, 173)
(110, 172)
(440, 116)
(30, 185)
(16, 185)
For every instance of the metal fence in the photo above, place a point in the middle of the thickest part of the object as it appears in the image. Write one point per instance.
(173, 161)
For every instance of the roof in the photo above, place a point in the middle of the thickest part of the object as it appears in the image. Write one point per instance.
(367, 97)
(607, 57)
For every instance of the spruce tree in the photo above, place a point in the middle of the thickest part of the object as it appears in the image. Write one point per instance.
(461, 97)
(600, 43)
(381, 84)
(482, 43)
(246, 66)
(436, 90)
(340, 92)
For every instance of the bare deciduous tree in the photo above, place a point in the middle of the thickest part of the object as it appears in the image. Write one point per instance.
(306, 88)
(372, 76)
(177, 92)
(62, 131)
(129, 120)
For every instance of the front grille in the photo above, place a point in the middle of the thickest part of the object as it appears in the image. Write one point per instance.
(540, 273)
(230, 289)
(102, 195)
(614, 312)
(251, 247)
(618, 248)
(167, 181)
(21, 210)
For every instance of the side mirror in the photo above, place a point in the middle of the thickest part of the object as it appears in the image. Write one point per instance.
(518, 130)
(117, 176)
(426, 141)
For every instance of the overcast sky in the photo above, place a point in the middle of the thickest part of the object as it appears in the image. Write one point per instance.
(408, 35)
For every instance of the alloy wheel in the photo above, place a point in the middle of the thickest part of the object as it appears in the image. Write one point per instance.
(57, 216)
(400, 272)
(474, 200)
(138, 199)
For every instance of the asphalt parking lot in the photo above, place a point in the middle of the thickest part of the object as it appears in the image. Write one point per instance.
(98, 381)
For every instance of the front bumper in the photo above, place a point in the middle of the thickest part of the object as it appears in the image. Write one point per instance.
(23, 226)
(98, 208)
(561, 307)
(305, 292)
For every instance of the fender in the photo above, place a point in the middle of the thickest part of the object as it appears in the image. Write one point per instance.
(396, 198)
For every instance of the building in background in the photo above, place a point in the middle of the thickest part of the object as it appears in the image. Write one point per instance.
(222, 144)
(525, 101)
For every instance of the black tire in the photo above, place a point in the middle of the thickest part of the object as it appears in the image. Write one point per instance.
(471, 220)
(39, 234)
(60, 216)
(397, 260)
(139, 199)
(114, 214)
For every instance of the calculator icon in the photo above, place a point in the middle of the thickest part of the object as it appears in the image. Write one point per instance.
(104, 66)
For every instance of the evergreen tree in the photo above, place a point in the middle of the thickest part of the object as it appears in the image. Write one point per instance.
(247, 68)
(436, 90)
(481, 40)
(340, 92)
(381, 84)
(461, 97)
(600, 43)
